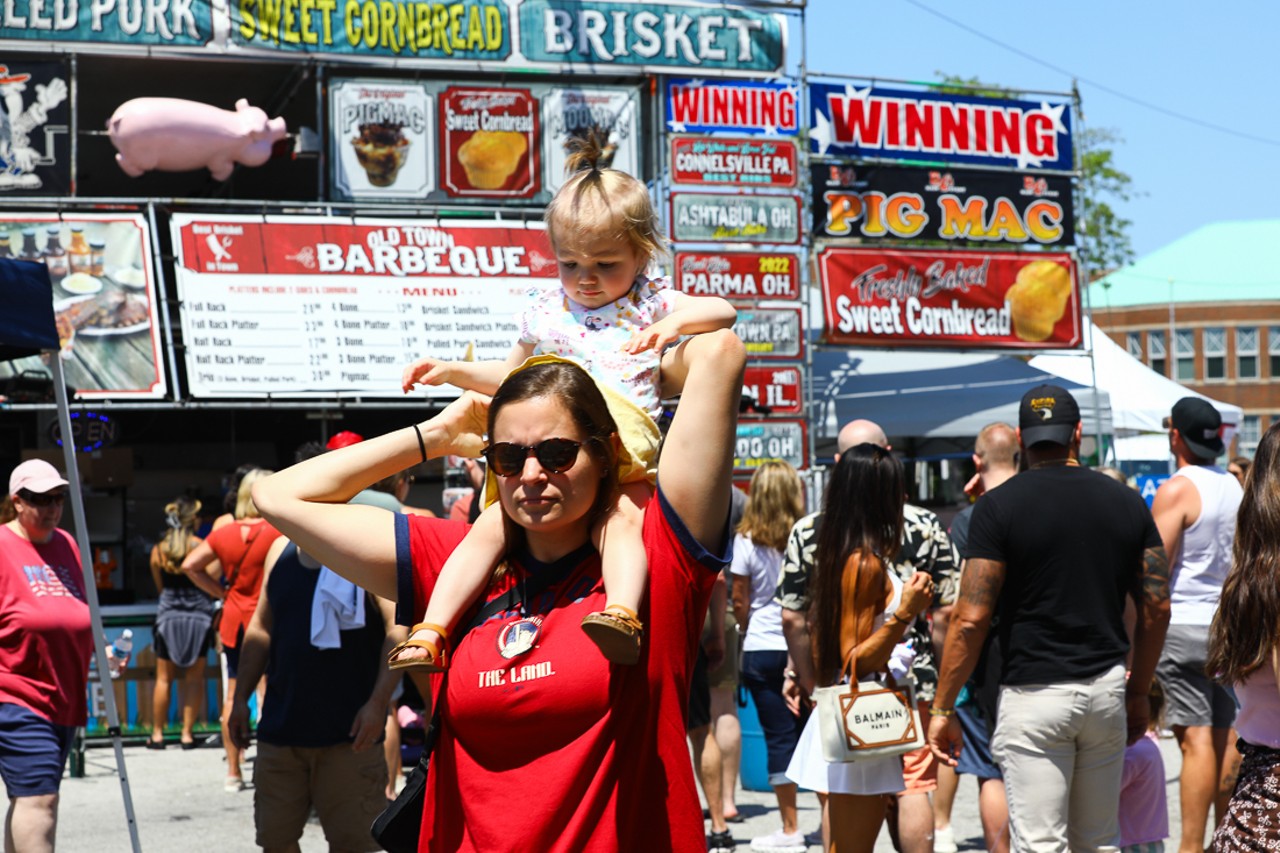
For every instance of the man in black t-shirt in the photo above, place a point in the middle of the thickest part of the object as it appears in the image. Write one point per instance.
(1052, 553)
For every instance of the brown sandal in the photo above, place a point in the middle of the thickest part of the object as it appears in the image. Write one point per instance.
(437, 659)
(617, 630)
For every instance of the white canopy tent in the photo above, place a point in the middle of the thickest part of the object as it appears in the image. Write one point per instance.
(1141, 397)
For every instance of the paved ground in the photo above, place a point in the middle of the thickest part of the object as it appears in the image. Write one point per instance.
(180, 805)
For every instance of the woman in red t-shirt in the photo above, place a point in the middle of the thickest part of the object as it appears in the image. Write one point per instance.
(45, 644)
(228, 566)
(595, 752)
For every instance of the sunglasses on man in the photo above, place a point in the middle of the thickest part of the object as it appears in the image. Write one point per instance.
(555, 455)
(42, 501)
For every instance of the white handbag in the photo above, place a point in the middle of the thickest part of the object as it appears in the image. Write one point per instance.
(865, 720)
(862, 720)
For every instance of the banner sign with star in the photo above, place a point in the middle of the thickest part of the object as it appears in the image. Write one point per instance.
(894, 124)
(941, 204)
(767, 107)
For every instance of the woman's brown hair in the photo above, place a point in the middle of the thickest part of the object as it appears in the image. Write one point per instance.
(774, 502)
(1246, 626)
(862, 517)
(571, 387)
(181, 517)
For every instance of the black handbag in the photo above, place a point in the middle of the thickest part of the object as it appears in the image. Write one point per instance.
(397, 828)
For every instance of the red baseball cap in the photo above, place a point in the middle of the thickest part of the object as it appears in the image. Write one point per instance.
(346, 438)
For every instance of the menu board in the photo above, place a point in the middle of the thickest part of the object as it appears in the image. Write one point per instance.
(312, 306)
(103, 300)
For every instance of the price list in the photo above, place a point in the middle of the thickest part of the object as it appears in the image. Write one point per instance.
(299, 331)
(356, 339)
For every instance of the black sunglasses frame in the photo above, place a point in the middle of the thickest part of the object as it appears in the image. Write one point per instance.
(41, 501)
(537, 451)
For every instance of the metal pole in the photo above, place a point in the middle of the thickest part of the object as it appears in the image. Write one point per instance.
(91, 591)
(161, 292)
(1085, 273)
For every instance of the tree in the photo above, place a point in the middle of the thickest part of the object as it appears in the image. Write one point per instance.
(1102, 235)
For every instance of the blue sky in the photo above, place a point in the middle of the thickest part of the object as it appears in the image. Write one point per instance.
(1216, 64)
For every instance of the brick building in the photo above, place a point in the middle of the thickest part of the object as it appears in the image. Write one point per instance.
(1205, 311)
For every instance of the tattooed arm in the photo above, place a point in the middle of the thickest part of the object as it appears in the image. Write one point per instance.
(1151, 595)
(980, 585)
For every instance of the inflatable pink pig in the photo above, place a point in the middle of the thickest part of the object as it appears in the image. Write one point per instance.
(174, 135)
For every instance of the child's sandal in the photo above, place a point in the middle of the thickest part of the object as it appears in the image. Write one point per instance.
(617, 631)
(437, 659)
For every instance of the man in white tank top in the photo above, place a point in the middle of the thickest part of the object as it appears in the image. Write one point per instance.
(1195, 511)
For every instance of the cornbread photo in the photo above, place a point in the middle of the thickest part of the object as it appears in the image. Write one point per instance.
(490, 157)
(1038, 299)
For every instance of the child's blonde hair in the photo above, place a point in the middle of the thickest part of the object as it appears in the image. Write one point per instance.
(594, 200)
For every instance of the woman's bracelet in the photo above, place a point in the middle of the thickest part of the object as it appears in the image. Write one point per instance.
(942, 712)
(422, 447)
(791, 673)
(894, 616)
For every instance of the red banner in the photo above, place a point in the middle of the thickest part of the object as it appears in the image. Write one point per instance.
(877, 297)
(747, 276)
(778, 389)
(716, 161)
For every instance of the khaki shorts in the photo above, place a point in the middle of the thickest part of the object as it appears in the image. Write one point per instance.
(348, 790)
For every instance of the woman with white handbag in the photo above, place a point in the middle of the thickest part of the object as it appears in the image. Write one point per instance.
(850, 749)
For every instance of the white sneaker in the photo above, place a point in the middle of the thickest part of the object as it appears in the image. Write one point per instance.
(780, 842)
(944, 841)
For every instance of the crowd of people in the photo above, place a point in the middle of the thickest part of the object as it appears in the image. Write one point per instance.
(578, 636)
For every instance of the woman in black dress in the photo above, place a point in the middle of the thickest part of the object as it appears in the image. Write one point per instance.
(182, 622)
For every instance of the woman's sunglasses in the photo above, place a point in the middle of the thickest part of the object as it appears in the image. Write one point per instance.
(555, 455)
(42, 501)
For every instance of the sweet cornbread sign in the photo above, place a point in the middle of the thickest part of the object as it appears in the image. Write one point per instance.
(878, 297)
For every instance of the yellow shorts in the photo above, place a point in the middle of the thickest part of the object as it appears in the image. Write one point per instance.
(637, 433)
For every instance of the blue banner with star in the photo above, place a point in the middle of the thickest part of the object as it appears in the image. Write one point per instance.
(933, 127)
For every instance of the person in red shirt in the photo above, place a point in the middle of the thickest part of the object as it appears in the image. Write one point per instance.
(544, 744)
(45, 644)
(228, 566)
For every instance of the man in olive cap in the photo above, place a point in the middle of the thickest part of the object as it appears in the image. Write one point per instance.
(1195, 511)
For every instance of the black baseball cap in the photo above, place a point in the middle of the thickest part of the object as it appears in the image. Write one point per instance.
(1048, 413)
(1200, 426)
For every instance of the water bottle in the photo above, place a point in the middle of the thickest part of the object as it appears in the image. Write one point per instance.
(119, 651)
